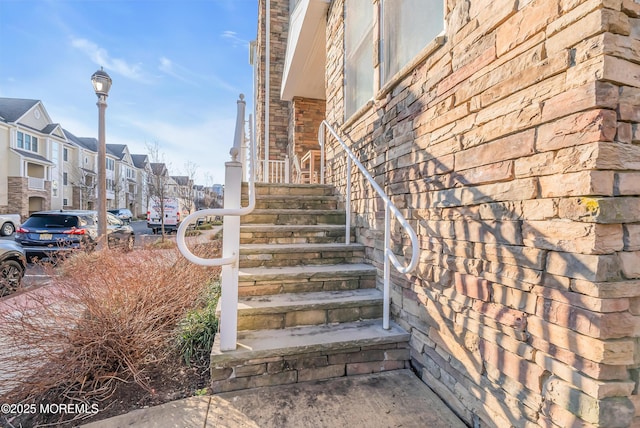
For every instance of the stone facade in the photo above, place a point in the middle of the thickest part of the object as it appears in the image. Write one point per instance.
(514, 150)
(20, 195)
(306, 116)
(278, 109)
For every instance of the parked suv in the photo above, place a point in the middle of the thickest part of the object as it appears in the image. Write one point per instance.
(13, 264)
(123, 214)
(54, 233)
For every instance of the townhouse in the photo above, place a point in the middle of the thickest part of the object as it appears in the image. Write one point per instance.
(43, 166)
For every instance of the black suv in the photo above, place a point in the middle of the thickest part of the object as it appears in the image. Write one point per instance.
(54, 233)
(13, 264)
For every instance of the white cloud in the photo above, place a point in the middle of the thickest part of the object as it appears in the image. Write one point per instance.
(236, 41)
(171, 69)
(101, 57)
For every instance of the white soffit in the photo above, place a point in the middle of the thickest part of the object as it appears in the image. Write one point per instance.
(304, 66)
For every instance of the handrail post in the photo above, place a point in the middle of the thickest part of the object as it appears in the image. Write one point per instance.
(230, 248)
(347, 230)
(389, 208)
(387, 274)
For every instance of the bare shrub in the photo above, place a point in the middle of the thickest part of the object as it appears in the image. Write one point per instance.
(103, 320)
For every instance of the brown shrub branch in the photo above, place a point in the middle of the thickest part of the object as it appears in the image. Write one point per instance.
(102, 321)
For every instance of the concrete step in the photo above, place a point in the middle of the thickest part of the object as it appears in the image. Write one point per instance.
(304, 202)
(278, 311)
(277, 255)
(294, 217)
(303, 279)
(293, 234)
(291, 189)
(299, 354)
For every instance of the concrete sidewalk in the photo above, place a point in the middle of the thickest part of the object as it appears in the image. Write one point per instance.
(390, 399)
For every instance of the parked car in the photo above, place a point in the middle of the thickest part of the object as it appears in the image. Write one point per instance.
(9, 223)
(123, 214)
(47, 234)
(13, 263)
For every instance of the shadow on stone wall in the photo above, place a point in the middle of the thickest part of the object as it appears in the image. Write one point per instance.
(501, 328)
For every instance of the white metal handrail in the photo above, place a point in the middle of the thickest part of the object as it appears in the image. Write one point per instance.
(389, 208)
(230, 231)
(192, 218)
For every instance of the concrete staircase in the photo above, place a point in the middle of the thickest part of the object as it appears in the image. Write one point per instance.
(309, 308)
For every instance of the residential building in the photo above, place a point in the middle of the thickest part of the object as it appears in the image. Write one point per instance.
(507, 133)
(43, 166)
(124, 178)
(142, 171)
(30, 156)
(82, 171)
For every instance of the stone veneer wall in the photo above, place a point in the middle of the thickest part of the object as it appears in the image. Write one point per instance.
(278, 109)
(514, 150)
(19, 195)
(305, 118)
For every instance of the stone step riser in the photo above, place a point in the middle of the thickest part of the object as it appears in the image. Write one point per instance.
(287, 236)
(294, 218)
(289, 190)
(294, 203)
(304, 367)
(300, 258)
(252, 288)
(294, 318)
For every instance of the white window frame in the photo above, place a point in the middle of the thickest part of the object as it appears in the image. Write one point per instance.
(33, 142)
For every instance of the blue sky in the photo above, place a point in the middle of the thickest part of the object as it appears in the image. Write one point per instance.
(177, 66)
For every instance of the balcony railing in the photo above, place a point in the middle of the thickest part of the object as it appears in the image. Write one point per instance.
(35, 183)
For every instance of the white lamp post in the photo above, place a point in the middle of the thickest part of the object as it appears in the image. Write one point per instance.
(101, 84)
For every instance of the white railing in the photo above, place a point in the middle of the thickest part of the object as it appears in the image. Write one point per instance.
(35, 183)
(389, 207)
(275, 171)
(230, 230)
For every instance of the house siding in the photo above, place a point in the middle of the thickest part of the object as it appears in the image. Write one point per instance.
(513, 151)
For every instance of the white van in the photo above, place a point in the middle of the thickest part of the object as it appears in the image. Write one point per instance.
(174, 212)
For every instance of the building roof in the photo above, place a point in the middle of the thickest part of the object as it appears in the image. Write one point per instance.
(181, 180)
(12, 109)
(89, 143)
(33, 156)
(117, 150)
(159, 168)
(140, 161)
(84, 142)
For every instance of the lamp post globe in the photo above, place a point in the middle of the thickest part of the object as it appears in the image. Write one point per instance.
(102, 84)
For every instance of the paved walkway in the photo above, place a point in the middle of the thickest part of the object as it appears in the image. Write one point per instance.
(391, 399)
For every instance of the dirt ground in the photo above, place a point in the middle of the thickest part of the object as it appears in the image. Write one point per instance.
(169, 381)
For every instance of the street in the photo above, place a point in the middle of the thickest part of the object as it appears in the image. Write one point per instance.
(35, 275)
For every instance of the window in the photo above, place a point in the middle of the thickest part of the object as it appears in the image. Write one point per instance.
(358, 54)
(407, 27)
(65, 178)
(65, 202)
(27, 142)
(65, 154)
(111, 164)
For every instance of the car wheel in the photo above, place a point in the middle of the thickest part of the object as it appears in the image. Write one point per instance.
(11, 273)
(7, 229)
